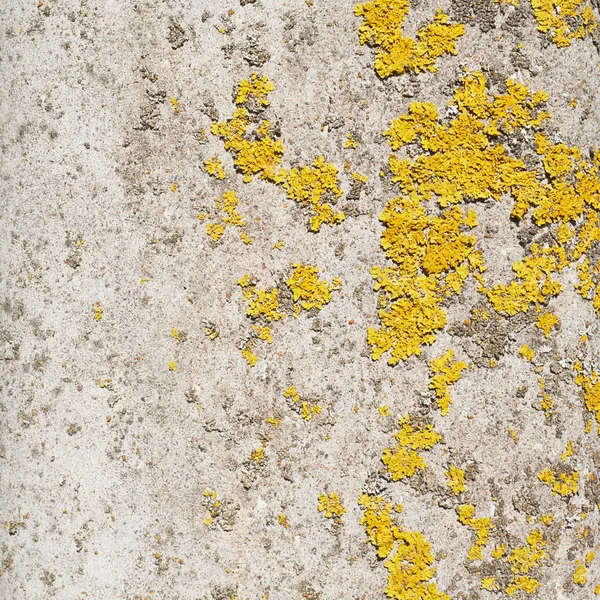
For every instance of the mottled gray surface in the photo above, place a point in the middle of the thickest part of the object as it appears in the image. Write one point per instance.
(105, 453)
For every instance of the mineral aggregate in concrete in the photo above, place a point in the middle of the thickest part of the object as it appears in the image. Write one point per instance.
(112, 430)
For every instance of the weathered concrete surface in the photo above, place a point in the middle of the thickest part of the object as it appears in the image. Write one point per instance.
(106, 453)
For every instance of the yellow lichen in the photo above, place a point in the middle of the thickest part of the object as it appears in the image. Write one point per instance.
(215, 230)
(258, 454)
(263, 333)
(256, 153)
(568, 451)
(382, 25)
(580, 576)
(172, 365)
(258, 86)
(350, 141)
(564, 484)
(523, 583)
(446, 372)
(310, 185)
(309, 409)
(213, 166)
(403, 460)
(409, 556)
(455, 479)
(482, 527)
(98, 312)
(248, 354)
(384, 411)
(590, 384)
(546, 322)
(525, 558)
(331, 505)
(308, 290)
(490, 584)
(527, 353)
(306, 408)
(563, 20)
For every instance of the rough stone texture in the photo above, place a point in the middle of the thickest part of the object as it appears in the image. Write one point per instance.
(105, 453)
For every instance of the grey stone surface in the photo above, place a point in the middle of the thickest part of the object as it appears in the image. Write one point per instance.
(105, 453)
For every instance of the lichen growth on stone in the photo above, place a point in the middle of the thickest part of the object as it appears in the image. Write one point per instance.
(404, 459)
(446, 371)
(308, 290)
(257, 152)
(305, 407)
(382, 27)
(564, 484)
(455, 479)
(482, 527)
(213, 166)
(258, 86)
(590, 384)
(310, 186)
(331, 505)
(409, 557)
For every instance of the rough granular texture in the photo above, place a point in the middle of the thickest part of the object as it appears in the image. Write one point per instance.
(300, 300)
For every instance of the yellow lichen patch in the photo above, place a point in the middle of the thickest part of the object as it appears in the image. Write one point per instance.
(446, 372)
(455, 479)
(564, 484)
(178, 335)
(547, 519)
(490, 584)
(98, 312)
(172, 365)
(258, 86)
(331, 505)
(309, 409)
(546, 322)
(215, 230)
(382, 25)
(523, 583)
(525, 558)
(258, 454)
(589, 280)
(273, 421)
(533, 284)
(213, 166)
(255, 151)
(310, 186)
(410, 566)
(580, 576)
(482, 527)
(568, 451)
(292, 393)
(350, 141)
(498, 551)
(590, 384)
(263, 333)
(308, 290)
(527, 353)
(306, 408)
(227, 206)
(403, 460)
(248, 354)
(461, 160)
(283, 521)
(262, 304)
(564, 20)
(384, 411)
